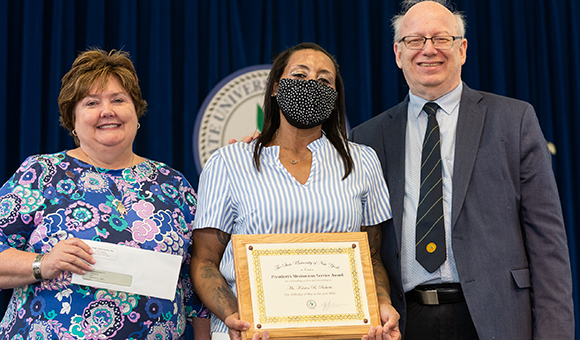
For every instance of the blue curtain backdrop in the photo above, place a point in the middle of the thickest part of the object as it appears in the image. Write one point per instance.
(526, 49)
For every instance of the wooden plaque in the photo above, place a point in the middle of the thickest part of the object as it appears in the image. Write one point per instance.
(300, 286)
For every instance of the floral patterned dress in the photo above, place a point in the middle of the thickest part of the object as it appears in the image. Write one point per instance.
(55, 197)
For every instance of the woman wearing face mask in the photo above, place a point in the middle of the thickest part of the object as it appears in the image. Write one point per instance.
(301, 175)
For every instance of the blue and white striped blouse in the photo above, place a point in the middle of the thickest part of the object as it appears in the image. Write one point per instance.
(237, 199)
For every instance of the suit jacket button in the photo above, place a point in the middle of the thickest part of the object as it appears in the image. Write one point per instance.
(400, 295)
(397, 253)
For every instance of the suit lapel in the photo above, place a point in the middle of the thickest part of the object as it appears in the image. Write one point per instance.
(394, 129)
(469, 130)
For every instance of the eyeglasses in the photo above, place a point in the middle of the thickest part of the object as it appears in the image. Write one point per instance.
(440, 42)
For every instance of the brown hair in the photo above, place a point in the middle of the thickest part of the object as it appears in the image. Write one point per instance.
(334, 128)
(94, 66)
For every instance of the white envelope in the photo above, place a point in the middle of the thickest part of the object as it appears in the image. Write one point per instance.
(132, 270)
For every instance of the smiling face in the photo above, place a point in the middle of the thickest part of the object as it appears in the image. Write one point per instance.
(430, 73)
(106, 118)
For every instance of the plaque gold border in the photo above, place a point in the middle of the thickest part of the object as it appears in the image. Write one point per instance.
(243, 287)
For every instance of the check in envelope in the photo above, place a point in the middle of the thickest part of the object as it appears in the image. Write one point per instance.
(132, 270)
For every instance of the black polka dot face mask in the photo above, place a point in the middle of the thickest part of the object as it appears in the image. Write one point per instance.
(305, 103)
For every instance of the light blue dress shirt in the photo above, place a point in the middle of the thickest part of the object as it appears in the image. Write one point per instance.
(412, 272)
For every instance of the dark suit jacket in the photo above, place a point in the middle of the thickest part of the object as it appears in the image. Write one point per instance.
(508, 234)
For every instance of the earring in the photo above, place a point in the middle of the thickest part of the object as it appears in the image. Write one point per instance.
(138, 126)
(74, 133)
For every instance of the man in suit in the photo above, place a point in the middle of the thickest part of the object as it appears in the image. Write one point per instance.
(505, 271)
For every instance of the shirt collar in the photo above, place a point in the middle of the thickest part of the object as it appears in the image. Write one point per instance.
(313, 146)
(447, 102)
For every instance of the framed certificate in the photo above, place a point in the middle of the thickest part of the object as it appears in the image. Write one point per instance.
(306, 285)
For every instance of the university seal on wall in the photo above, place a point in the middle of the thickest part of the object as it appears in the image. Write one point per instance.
(232, 109)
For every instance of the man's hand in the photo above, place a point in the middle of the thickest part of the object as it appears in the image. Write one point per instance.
(246, 138)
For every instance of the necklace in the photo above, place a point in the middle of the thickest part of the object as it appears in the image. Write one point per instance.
(116, 202)
(292, 161)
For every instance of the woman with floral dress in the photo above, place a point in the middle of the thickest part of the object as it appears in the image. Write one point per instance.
(100, 191)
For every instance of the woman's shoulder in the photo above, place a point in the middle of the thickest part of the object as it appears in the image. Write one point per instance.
(40, 159)
(361, 150)
(235, 152)
(238, 147)
(38, 171)
(55, 157)
(152, 166)
(159, 171)
(364, 157)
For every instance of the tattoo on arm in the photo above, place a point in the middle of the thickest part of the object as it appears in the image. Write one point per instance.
(218, 293)
(225, 299)
(209, 283)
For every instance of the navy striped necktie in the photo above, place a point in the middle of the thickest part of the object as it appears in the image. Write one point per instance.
(430, 228)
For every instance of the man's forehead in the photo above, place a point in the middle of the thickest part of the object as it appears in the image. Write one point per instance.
(429, 9)
(429, 15)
